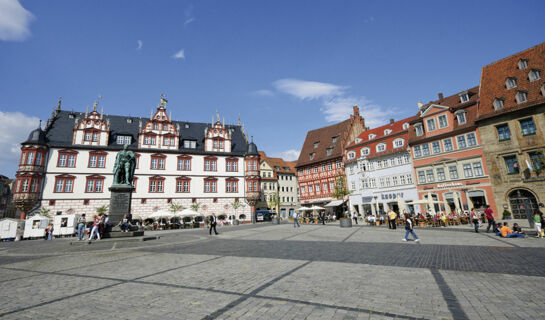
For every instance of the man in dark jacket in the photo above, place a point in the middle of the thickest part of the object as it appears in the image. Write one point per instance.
(213, 225)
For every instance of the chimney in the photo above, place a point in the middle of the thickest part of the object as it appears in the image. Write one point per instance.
(356, 111)
(392, 121)
(440, 94)
(420, 104)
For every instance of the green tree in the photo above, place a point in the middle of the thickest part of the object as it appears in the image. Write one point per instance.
(236, 204)
(102, 210)
(44, 212)
(340, 191)
(195, 206)
(174, 207)
(274, 202)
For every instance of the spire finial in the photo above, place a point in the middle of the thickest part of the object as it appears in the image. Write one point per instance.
(59, 105)
(102, 113)
(95, 104)
(162, 101)
(170, 115)
(86, 111)
(224, 122)
(252, 139)
(151, 114)
(217, 115)
(40, 125)
(238, 120)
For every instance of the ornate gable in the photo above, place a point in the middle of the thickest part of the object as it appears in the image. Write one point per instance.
(217, 138)
(92, 130)
(159, 132)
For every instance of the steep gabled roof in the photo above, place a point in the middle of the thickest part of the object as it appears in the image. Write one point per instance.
(324, 139)
(494, 76)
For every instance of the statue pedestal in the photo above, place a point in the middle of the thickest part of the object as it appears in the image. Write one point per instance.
(120, 203)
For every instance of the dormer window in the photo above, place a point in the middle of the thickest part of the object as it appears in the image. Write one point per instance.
(351, 155)
(543, 90)
(523, 64)
(464, 97)
(405, 126)
(329, 151)
(190, 144)
(418, 129)
(186, 125)
(364, 151)
(381, 147)
(311, 156)
(498, 103)
(71, 116)
(155, 126)
(129, 120)
(398, 143)
(533, 75)
(461, 117)
(316, 145)
(334, 139)
(511, 83)
(521, 97)
(358, 140)
(430, 123)
(372, 136)
(123, 140)
(387, 132)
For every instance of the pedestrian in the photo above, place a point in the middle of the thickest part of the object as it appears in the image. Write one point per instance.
(322, 216)
(393, 217)
(94, 230)
(490, 217)
(212, 224)
(475, 219)
(296, 220)
(355, 217)
(409, 229)
(81, 227)
(537, 223)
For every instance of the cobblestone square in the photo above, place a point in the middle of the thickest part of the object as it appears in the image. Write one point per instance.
(268, 271)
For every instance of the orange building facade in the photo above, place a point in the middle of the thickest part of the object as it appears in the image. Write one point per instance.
(448, 157)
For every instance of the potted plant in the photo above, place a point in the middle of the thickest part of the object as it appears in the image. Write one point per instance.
(421, 222)
(340, 192)
(506, 214)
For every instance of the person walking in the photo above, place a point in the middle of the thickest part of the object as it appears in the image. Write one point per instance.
(409, 228)
(81, 227)
(393, 217)
(537, 223)
(475, 219)
(355, 217)
(213, 225)
(490, 217)
(296, 220)
(94, 230)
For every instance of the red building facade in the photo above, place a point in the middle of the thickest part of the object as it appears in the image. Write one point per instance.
(320, 162)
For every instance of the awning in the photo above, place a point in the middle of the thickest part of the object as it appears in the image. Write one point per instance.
(335, 203)
(476, 193)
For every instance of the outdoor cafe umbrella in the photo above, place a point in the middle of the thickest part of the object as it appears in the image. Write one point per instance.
(314, 208)
(187, 213)
(161, 214)
(431, 204)
(400, 205)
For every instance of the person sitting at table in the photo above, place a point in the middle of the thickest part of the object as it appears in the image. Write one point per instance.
(371, 219)
(506, 232)
(497, 229)
(124, 224)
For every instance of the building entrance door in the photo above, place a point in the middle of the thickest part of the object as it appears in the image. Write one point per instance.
(523, 204)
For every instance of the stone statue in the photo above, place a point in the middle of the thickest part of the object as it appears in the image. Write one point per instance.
(124, 166)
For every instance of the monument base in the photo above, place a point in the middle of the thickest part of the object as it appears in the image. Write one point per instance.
(120, 203)
(119, 234)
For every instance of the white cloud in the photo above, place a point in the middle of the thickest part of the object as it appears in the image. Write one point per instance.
(288, 155)
(264, 93)
(188, 21)
(139, 44)
(337, 105)
(308, 90)
(179, 55)
(14, 21)
(14, 129)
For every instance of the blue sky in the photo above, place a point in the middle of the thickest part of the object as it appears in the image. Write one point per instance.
(284, 66)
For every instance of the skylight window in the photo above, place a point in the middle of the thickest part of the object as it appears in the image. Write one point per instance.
(533, 75)
(464, 97)
(372, 136)
(523, 64)
(387, 132)
(521, 97)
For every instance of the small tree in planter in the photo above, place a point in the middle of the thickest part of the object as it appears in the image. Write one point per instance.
(44, 212)
(102, 210)
(174, 207)
(195, 206)
(506, 214)
(340, 192)
(236, 204)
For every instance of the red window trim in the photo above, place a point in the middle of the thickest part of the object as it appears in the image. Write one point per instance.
(184, 157)
(64, 177)
(98, 154)
(211, 159)
(231, 181)
(94, 178)
(156, 178)
(137, 156)
(182, 179)
(210, 179)
(134, 182)
(231, 160)
(67, 152)
(158, 156)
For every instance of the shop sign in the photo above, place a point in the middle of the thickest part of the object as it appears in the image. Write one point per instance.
(391, 196)
(366, 199)
(450, 185)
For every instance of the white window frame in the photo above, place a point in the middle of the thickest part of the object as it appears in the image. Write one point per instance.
(381, 145)
(419, 129)
(428, 121)
(461, 117)
(439, 121)
(401, 142)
